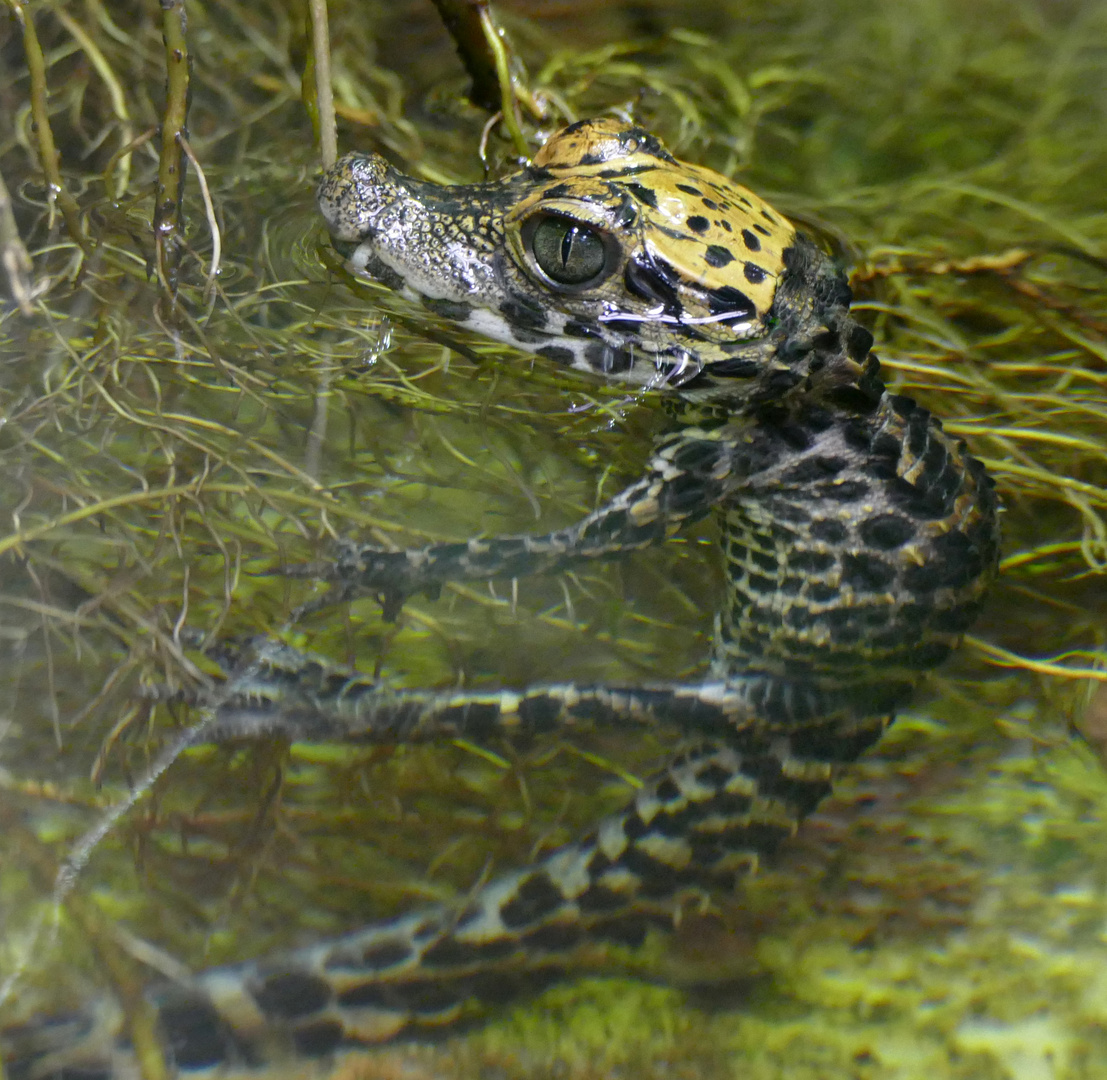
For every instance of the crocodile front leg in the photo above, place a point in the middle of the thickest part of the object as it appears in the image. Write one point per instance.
(691, 472)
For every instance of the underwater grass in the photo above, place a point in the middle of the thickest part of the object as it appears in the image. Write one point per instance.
(156, 464)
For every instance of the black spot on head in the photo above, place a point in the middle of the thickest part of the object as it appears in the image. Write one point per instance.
(731, 301)
(886, 531)
(535, 897)
(762, 230)
(718, 256)
(698, 224)
(643, 194)
(711, 204)
(623, 173)
(750, 240)
(768, 217)
(754, 273)
(688, 189)
(639, 141)
(724, 224)
(653, 279)
(288, 994)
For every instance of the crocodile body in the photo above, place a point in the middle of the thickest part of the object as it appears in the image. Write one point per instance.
(858, 539)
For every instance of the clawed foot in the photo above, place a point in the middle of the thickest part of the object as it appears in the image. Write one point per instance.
(268, 687)
(364, 570)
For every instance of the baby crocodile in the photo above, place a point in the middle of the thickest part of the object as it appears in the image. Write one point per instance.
(858, 539)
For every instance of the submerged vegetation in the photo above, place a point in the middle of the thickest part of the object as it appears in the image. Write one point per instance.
(943, 917)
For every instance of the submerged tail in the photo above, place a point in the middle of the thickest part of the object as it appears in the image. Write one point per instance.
(707, 819)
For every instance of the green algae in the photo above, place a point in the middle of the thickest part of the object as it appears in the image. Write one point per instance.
(944, 916)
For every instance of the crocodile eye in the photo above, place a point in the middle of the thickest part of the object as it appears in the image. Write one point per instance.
(570, 252)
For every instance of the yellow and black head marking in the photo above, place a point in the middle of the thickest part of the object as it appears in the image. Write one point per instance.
(705, 248)
(606, 254)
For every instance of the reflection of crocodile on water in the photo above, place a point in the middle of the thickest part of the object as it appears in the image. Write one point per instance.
(858, 541)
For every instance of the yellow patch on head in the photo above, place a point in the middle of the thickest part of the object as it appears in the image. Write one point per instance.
(711, 236)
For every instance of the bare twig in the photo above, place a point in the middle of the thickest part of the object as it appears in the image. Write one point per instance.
(318, 95)
(168, 221)
(499, 79)
(462, 18)
(47, 151)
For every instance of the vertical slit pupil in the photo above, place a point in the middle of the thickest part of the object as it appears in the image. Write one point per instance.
(567, 242)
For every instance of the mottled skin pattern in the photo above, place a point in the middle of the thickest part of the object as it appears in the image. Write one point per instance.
(858, 539)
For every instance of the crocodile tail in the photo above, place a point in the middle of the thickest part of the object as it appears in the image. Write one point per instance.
(706, 820)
